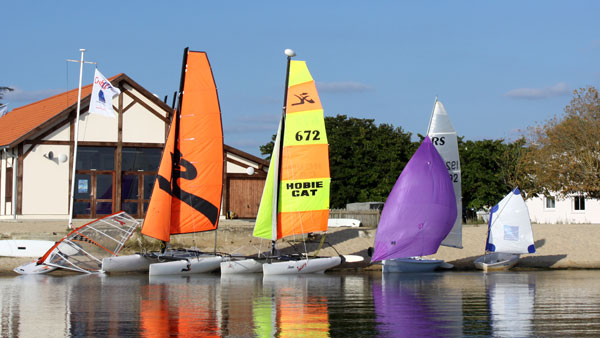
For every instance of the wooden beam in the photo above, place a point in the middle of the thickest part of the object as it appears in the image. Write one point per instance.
(150, 109)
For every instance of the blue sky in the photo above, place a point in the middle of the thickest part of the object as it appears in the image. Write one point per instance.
(498, 66)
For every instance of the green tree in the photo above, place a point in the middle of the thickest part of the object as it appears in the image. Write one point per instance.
(564, 152)
(487, 171)
(365, 159)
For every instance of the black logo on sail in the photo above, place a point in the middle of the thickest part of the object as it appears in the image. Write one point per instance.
(303, 97)
(189, 173)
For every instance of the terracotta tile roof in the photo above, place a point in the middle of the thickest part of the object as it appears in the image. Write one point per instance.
(20, 122)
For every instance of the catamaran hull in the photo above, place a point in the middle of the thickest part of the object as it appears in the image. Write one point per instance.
(128, 263)
(496, 261)
(294, 267)
(239, 266)
(186, 266)
(410, 265)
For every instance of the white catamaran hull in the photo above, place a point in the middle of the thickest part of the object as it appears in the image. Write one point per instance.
(186, 266)
(235, 266)
(128, 263)
(410, 265)
(311, 265)
(496, 261)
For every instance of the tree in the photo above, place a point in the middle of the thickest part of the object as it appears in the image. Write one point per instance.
(564, 153)
(365, 159)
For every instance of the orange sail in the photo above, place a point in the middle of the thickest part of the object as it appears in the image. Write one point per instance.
(187, 193)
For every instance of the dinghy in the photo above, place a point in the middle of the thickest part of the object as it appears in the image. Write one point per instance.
(417, 215)
(509, 234)
(186, 197)
(295, 198)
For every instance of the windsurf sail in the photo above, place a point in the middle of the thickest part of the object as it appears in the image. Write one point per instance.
(420, 210)
(510, 227)
(186, 197)
(295, 198)
(444, 138)
(84, 248)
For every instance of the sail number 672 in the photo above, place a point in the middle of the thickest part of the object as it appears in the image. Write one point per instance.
(307, 135)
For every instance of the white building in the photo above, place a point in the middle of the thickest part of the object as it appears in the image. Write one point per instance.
(556, 210)
(117, 158)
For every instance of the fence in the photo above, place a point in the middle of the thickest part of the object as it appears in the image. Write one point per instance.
(367, 218)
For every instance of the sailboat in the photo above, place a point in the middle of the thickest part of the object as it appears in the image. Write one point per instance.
(417, 215)
(295, 198)
(84, 248)
(186, 197)
(444, 138)
(509, 234)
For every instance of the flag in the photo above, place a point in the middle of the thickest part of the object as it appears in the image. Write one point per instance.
(102, 95)
(3, 109)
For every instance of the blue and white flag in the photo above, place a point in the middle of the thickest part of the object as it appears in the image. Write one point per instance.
(3, 109)
(102, 95)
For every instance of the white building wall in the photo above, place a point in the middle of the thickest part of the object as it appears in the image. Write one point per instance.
(234, 168)
(45, 181)
(140, 125)
(564, 211)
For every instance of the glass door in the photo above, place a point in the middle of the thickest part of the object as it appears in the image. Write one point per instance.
(136, 189)
(94, 194)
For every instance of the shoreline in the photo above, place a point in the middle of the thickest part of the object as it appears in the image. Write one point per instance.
(558, 246)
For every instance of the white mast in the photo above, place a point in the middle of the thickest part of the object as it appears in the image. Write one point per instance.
(72, 197)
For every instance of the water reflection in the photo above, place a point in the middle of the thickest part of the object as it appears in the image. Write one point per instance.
(508, 304)
(180, 306)
(417, 305)
(511, 301)
(294, 306)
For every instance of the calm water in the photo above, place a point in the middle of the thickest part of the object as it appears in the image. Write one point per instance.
(513, 304)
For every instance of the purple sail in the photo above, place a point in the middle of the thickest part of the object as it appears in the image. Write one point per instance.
(420, 210)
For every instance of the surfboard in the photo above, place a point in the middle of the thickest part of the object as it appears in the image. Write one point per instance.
(24, 247)
(343, 222)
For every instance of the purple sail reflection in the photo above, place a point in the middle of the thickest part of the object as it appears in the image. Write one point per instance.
(407, 305)
(420, 210)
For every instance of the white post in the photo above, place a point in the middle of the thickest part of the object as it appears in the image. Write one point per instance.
(72, 197)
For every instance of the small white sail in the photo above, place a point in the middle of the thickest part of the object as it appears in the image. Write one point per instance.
(444, 138)
(510, 226)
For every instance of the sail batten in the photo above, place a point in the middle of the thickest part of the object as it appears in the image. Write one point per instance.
(298, 177)
(187, 196)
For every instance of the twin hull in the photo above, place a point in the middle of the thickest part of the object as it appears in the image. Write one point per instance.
(291, 267)
(141, 263)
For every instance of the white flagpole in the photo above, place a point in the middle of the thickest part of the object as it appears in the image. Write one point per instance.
(72, 197)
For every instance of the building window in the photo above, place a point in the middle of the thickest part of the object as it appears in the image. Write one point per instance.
(8, 184)
(96, 158)
(579, 203)
(550, 202)
(146, 159)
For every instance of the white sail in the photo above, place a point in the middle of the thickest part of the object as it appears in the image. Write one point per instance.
(443, 136)
(510, 227)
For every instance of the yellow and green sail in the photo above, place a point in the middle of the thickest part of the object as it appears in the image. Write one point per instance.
(300, 168)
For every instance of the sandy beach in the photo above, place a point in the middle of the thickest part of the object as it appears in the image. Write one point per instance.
(559, 246)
